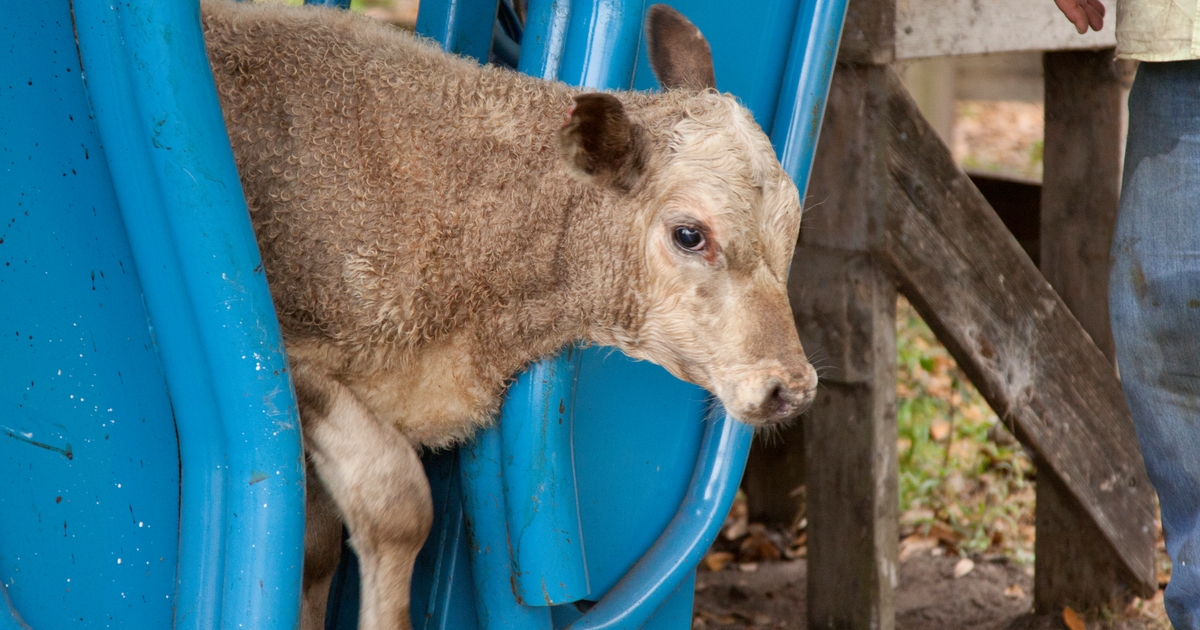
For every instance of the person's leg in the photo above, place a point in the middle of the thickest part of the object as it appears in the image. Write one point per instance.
(1154, 294)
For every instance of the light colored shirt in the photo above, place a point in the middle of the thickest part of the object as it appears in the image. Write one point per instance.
(1158, 30)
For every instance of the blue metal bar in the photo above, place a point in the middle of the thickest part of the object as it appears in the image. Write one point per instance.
(608, 32)
(806, 85)
(545, 38)
(602, 37)
(546, 564)
(679, 549)
(462, 27)
(242, 495)
(487, 539)
(10, 619)
(334, 4)
(544, 533)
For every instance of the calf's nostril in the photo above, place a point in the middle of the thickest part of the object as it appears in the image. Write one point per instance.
(778, 395)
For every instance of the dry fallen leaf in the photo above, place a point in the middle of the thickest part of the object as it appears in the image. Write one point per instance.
(964, 566)
(716, 560)
(1071, 618)
(915, 544)
(939, 429)
(942, 532)
(757, 546)
(1015, 591)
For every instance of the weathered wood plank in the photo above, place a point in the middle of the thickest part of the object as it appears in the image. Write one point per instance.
(1081, 183)
(844, 306)
(850, 442)
(1075, 565)
(932, 28)
(1012, 335)
(774, 475)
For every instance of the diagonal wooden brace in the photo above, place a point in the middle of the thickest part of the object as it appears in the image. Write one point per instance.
(954, 260)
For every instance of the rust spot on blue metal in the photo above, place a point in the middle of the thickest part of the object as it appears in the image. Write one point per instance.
(257, 476)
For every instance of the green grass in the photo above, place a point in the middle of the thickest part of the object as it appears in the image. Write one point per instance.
(955, 482)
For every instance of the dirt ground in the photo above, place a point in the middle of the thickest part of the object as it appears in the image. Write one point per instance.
(995, 595)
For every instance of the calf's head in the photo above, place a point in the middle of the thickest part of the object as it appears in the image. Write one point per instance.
(716, 218)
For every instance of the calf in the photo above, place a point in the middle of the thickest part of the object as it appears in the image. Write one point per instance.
(430, 226)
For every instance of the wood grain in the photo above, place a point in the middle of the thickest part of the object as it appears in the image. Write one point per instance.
(1012, 335)
(1075, 565)
(845, 309)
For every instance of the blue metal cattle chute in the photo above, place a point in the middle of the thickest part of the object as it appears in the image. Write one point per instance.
(150, 466)
(606, 480)
(151, 474)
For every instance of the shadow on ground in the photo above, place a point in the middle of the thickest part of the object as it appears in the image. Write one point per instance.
(995, 595)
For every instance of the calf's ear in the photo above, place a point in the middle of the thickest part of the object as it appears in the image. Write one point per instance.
(679, 54)
(600, 144)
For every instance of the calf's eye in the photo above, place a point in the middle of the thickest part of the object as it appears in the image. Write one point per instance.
(689, 238)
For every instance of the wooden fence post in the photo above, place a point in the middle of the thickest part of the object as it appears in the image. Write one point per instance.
(1075, 565)
(845, 305)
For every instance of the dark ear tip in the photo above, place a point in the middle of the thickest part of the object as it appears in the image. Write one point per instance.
(659, 16)
(679, 54)
(661, 11)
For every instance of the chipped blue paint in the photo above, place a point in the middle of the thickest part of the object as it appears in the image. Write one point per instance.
(549, 563)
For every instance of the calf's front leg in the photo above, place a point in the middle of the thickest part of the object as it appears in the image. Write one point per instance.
(374, 477)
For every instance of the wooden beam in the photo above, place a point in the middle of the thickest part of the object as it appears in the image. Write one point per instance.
(935, 28)
(1012, 335)
(775, 475)
(844, 306)
(1081, 183)
(1074, 563)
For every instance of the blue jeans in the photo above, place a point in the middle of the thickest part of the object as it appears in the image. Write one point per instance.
(1154, 300)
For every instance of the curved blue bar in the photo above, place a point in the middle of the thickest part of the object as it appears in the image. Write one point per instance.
(806, 86)
(679, 549)
(609, 31)
(545, 38)
(487, 539)
(544, 532)
(242, 507)
(462, 27)
(10, 619)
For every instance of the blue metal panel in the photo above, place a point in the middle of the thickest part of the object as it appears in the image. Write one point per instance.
(673, 558)
(242, 493)
(545, 38)
(602, 38)
(462, 27)
(809, 71)
(89, 465)
(538, 464)
(748, 49)
(637, 434)
(487, 540)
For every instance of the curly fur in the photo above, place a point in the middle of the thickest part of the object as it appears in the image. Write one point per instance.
(408, 202)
